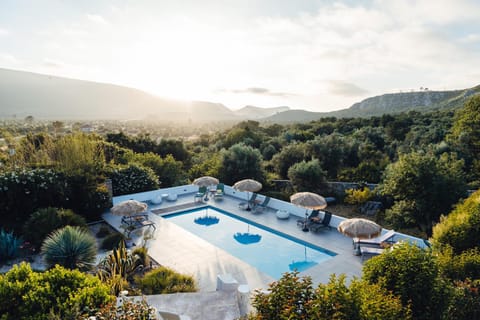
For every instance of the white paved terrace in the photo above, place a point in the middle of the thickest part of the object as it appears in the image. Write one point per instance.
(177, 248)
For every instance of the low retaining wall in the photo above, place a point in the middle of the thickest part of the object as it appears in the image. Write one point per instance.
(274, 204)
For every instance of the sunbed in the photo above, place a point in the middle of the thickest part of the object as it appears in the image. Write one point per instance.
(375, 242)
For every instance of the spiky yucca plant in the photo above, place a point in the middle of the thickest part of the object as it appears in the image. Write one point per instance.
(70, 247)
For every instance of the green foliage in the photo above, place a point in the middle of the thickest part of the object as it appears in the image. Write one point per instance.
(241, 162)
(112, 241)
(143, 257)
(287, 298)
(129, 309)
(293, 297)
(460, 266)
(429, 184)
(169, 170)
(460, 230)
(164, 280)
(465, 301)
(70, 247)
(103, 231)
(307, 176)
(133, 179)
(287, 157)
(412, 274)
(117, 267)
(43, 221)
(358, 196)
(77, 154)
(22, 192)
(25, 294)
(9, 245)
(402, 214)
(466, 127)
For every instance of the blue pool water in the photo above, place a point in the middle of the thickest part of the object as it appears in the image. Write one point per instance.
(267, 250)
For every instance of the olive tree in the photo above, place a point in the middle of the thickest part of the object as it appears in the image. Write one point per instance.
(426, 185)
(241, 162)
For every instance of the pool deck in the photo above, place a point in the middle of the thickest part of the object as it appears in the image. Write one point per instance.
(177, 248)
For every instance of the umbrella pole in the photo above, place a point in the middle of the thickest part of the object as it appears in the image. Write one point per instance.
(248, 203)
(305, 227)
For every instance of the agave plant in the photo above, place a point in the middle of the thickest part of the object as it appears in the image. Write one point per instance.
(117, 267)
(9, 245)
(70, 247)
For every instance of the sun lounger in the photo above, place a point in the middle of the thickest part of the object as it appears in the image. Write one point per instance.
(368, 252)
(375, 242)
(219, 193)
(325, 223)
(200, 194)
(263, 205)
(313, 215)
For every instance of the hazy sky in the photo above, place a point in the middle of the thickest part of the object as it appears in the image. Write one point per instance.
(316, 55)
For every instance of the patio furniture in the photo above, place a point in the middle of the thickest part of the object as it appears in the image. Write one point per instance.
(218, 193)
(325, 223)
(282, 214)
(172, 197)
(375, 242)
(304, 222)
(157, 199)
(198, 197)
(137, 221)
(262, 206)
(247, 205)
(368, 252)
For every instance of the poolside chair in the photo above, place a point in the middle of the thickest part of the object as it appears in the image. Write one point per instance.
(263, 205)
(249, 204)
(200, 194)
(313, 215)
(325, 223)
(368, 252)
(375, 242)
(220, 191)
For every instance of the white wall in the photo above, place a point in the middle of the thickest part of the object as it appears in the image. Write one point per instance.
(273, 203)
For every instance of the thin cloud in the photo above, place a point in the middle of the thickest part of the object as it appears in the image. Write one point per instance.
(4, 32)
(346, 89)
(51, 63)
(261, 91)
(97, 19)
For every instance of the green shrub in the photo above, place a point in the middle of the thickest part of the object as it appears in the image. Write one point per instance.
(412, 274)
(56, 293)
(128, 310)
(70, 247)
(294, 297)
(143, 256)
(112, 241)
(460, 230)
(165, 280)
(23, 192)
(461, 266)
(42, 222)
(103, 231)
(133, 179)
(358, 196)
(9, 245)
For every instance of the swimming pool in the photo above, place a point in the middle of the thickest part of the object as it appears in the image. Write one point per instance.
(267, 250)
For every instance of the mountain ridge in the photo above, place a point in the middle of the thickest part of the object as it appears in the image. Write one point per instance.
(42, 96)
(389, 103)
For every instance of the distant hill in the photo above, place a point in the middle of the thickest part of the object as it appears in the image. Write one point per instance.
(48, 97)
(390, 103)
(252, 112)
